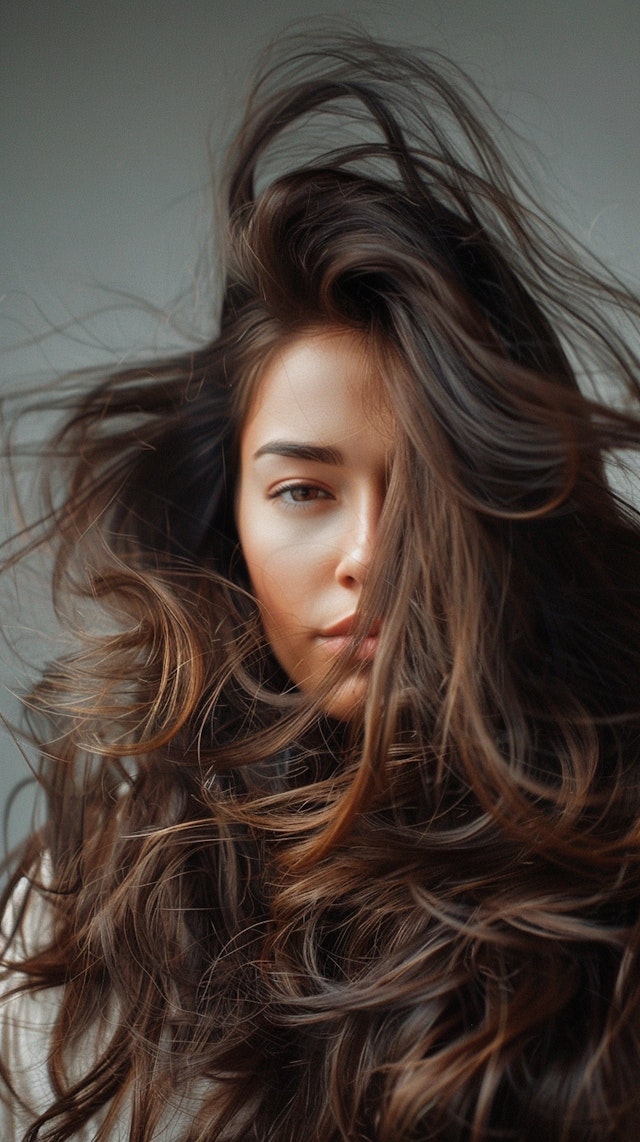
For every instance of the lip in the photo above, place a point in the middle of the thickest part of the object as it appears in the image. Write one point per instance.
(345, 628)
(338, 638)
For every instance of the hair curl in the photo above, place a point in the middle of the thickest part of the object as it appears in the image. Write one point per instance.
(424, 925)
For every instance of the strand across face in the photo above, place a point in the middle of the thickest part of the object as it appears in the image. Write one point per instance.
(314, 460)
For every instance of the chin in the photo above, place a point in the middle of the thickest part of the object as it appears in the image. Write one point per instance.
(347, 700)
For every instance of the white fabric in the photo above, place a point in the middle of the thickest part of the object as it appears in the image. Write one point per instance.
(26, 1023)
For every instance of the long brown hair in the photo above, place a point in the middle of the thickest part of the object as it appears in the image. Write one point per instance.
(425, 924)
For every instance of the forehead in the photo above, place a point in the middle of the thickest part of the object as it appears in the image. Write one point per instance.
(322, 384)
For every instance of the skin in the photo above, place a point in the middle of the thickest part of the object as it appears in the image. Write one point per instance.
(314, 461)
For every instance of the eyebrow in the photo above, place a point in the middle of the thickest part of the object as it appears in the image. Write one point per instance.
(298, 451)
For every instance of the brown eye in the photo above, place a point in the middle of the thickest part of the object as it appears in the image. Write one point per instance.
(301, 493)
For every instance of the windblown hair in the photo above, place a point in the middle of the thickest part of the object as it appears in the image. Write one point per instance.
(425, 924)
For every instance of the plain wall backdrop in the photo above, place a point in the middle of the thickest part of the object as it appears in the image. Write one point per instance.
(107, 110)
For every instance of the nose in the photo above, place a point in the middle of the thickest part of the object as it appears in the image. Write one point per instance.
(357, 542)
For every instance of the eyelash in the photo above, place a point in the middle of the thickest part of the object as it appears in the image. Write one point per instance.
(281, 492)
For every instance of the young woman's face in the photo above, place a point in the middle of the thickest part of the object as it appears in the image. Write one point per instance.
(314, 459)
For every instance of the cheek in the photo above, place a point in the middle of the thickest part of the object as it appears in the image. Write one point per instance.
(270, 562)
(281, 567)
(279, 578)
(277, 586)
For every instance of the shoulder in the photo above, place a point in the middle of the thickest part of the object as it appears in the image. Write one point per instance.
(27, 1020)
(27, 1017)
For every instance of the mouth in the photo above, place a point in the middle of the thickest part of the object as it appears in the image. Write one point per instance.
(338, 639)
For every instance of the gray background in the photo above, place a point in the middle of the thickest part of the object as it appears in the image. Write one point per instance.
(106, 109)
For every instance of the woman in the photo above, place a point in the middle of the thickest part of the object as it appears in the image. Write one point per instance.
(343, 798)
